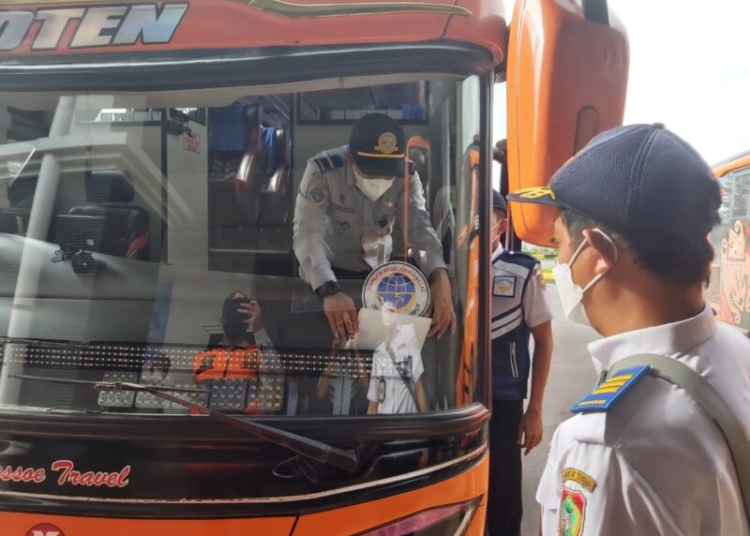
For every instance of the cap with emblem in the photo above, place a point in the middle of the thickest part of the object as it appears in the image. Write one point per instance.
(378, 146)
(640, 179)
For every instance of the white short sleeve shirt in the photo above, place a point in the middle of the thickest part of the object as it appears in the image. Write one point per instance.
(655, 463)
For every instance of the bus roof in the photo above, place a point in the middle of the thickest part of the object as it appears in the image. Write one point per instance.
(735, 162)
(62, 31)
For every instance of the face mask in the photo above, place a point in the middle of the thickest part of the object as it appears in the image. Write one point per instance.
(493, 237)
(372, 188)
(571, 295)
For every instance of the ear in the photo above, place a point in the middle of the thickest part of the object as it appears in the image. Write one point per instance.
(605, 250)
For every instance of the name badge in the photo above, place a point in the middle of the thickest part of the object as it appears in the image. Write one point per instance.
(504, 286)
(381, 390)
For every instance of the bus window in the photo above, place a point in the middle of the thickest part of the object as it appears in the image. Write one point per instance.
(730, 275)
(149, 238)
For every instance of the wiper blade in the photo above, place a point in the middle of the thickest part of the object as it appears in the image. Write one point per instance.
(304, 446)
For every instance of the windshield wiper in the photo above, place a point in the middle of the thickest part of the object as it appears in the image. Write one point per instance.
(304, 446)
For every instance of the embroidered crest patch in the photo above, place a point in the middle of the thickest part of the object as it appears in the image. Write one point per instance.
(504, 286)
(572, 513)
(317, 191)
(387, 143)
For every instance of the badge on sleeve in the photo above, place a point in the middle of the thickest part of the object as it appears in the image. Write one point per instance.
(317, 191)
(504, 286)
(572, 513)
(610, 391)
(540, 277)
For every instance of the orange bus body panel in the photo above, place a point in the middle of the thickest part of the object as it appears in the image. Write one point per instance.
(346, 521)
(354, 519)
(235, 24)
(567, 78)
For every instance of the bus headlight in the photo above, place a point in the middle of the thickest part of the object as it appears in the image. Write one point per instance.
(449, 520)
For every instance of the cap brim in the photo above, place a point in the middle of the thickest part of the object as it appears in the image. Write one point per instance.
(538, 196)
(389, 167)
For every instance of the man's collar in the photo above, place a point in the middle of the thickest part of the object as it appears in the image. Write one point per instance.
(665, 339)
(498, 250)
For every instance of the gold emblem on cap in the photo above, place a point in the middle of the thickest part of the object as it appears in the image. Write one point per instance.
(535, 193)
(387, 143)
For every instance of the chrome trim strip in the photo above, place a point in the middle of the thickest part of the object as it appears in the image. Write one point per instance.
(475, 454)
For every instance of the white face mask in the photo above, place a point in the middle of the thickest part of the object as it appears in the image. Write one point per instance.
(495, 240)
(571, 295)
(372, 188)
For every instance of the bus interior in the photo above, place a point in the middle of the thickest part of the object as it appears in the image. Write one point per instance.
(126, 219)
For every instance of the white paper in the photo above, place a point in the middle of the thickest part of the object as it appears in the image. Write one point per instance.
(372, 330)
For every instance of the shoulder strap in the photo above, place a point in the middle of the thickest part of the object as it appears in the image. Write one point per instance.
(705, 395)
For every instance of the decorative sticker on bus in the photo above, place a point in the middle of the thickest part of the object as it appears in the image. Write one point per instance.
(45, 529)
(98, 26)
(735, 274)
(66, 474)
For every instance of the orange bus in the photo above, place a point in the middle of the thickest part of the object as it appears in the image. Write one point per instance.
(150, 158)
(729, 288)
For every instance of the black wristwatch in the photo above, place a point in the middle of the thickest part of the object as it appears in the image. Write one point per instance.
(329, 288)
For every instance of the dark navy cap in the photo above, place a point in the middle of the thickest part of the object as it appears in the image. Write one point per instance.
(378, 146)
(636, 179)
(498, 201)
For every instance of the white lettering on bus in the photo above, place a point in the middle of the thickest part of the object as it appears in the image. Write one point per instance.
(97, 26)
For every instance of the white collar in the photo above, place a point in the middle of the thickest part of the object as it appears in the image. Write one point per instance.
(665, 339)
(498, 250)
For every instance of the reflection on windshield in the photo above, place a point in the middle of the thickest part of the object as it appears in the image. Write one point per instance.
(256, 259)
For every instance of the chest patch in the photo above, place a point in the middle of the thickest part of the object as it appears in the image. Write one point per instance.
(504, 286)
(607, 393)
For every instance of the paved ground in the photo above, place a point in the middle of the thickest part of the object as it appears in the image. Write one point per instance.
(572, 374)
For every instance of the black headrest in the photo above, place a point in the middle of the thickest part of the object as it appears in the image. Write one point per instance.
(418, 156)
(109, 187)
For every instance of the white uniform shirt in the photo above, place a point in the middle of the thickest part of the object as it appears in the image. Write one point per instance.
(387, 387)
(655, 463)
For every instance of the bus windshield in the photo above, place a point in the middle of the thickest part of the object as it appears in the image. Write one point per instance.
(159, 238)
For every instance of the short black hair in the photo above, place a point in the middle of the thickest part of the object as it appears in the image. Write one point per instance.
(684, 260)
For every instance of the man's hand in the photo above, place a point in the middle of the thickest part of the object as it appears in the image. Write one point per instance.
(342, 316)
(530, 430)
(254, 315)
(441, 309)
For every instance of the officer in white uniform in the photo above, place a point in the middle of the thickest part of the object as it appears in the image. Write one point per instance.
(640, 456)
(348, 201)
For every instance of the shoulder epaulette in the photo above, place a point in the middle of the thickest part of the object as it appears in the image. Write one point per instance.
(524, 255)
(610, 391)
(519, 257)
(327, 162)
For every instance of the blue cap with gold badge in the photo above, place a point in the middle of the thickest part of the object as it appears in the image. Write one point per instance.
(640, 179)
(378, 146)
